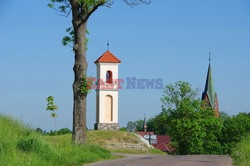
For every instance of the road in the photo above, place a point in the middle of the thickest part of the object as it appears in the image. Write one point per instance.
(178, 160)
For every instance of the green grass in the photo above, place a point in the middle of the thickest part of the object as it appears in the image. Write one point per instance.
(106, 139)
(21, 146)
(241, 153)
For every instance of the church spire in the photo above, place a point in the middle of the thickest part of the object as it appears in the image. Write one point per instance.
(145, 124)
(209, 95)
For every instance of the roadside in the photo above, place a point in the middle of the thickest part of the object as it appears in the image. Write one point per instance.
(158, 160)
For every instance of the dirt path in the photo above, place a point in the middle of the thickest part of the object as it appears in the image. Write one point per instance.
(156, 160)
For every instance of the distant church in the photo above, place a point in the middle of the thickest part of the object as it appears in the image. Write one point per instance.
(107, 92)
(209, 96)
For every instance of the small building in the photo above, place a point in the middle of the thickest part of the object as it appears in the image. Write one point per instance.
(149, 136)
(161, 142)
(107, 92)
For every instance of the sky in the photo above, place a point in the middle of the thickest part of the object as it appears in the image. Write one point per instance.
(168, 39)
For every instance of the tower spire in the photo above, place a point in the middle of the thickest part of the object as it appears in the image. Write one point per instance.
(209, 95)
(145, 124)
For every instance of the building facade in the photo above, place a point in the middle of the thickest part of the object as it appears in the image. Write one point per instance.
(107, 92)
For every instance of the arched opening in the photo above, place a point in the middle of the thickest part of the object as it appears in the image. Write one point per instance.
(109, 77)
(108, 112)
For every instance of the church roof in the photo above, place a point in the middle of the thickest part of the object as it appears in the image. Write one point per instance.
(107, 57)
(209, 88)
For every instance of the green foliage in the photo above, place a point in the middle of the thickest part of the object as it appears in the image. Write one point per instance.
(194, 128)
(69, 40)
(39, 130)
(52, 107)
(159, 124)
(224, 116)
(241, 152)
(136, 125)
(21, 146)
(175, 94)
(62, 131)
(233, 130)
(86, 85)
(123, 129)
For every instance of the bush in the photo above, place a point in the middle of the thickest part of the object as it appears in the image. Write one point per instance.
(241, 152)
(233, 130)
(28, 145)
(64, 131)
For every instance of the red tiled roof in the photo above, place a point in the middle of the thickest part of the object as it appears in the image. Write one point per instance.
(162, 143)
(108, 57)
(162, 147)
(163, 139)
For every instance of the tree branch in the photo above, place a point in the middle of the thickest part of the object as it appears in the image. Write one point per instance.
(100, 3)
(133, 3)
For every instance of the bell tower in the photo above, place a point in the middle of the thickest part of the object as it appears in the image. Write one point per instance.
(107, 92)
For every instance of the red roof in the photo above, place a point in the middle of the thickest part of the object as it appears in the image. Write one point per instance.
(107, 57)
(163, 143)
(163, 139)
(164, 147)
(141, 133)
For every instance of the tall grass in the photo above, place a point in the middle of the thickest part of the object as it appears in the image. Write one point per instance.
(241, 153)
(21, 146)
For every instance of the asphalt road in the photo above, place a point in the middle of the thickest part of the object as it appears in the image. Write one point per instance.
(178, 160)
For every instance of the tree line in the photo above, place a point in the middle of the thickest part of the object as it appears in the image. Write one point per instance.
(193, 127)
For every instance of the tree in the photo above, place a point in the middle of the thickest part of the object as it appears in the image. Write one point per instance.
(39, 130)
(81, 10)
(159, 124)
(234, 128)
(136, 125)
(52, 107)
(192, 125)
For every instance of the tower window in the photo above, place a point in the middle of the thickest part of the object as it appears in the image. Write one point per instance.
(109, 77)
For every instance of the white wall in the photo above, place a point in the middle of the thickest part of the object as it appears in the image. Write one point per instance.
(102, 68)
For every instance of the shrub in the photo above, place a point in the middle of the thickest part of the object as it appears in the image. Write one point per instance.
(64, 131)
(241, 152)
(29, 145)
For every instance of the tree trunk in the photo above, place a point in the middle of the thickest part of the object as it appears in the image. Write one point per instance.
(80, 70)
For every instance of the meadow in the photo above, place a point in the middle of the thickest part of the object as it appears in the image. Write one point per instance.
(20, 145)
(23, 146)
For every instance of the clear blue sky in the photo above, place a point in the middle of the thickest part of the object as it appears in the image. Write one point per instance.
(168, 39)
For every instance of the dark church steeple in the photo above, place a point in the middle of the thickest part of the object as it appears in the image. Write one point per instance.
(209, 95)
(145, 124)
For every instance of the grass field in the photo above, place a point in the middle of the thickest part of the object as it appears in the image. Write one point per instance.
(241, 153)
(19, 145)
(23, 147)
(114, 141)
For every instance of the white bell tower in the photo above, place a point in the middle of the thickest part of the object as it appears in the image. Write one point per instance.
(107, 92)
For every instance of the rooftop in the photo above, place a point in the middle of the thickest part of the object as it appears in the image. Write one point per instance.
(108, 57)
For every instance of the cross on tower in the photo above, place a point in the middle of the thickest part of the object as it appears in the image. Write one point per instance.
(209, 56)
(108, 45)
